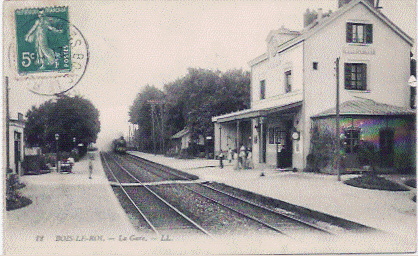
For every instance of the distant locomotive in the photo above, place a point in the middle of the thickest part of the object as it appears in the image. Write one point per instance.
(119, 145)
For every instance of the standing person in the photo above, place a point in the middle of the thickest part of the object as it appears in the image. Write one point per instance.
(221, 158)
(90, 168)
(250, 160)
(242, 156)
(230, 155)
(236, 160)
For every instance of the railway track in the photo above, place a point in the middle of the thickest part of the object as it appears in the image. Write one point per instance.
(159, 215)
(275, 220)
(316, 221)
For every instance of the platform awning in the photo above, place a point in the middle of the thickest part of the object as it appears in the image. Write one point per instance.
(366, 107)
(248, 114)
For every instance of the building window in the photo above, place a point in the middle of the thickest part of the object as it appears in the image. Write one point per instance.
(262, 89)
(351, 140)
(315, 65)
(271, 135)
(355, 76)
(386, 143)
(359, 33)
(288, 81)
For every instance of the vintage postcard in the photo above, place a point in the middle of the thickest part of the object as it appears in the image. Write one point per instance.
(209, 127)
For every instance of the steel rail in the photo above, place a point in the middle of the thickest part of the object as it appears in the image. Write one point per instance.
(241, 199)
(158, 166)
(130, 199)
(167, 203)
(268, 209)
(239, 212)
(232, 209)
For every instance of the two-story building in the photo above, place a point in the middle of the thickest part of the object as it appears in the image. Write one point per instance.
(293, 88)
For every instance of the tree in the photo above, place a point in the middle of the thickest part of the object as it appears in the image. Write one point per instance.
(70, 117)
(140, 113)
(219, 94)
(190, 101)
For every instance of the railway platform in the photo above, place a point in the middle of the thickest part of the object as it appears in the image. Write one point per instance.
(391, 212)
(69, 215)
(74, 215)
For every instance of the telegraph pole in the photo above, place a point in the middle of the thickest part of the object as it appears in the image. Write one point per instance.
(160, 122)
(153, 126)
(337, 117)
(163, 125)
(7, 125)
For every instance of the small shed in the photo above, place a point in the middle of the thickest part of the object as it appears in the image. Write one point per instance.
(183, 140)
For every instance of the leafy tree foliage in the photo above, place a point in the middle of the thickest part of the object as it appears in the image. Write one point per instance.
(70, 117)
(229, 92)
(191, 101)
(140, 113)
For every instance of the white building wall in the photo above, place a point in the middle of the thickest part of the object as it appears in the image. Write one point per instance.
(16, 127)
(273, 72)
(387, 60)
(185, 140)
(226, 136)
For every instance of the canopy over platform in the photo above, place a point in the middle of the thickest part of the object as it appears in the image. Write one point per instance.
(366, 107)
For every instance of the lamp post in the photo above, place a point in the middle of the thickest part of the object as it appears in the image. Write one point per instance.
(74, 145)
(337, 118)
(57, 136)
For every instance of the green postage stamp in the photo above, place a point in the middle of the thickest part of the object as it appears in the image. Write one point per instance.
(43, 40)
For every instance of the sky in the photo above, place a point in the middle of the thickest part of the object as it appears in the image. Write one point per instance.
(135, 43)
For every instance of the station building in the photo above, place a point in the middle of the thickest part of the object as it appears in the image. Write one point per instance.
(16, 144)
(293, 89)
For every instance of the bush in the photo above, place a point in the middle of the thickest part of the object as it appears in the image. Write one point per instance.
(186, 154)
(368, 155)
(311, 163)
(371, 181)
(171, 152)
(202, 155)
(322, 149)
(404, 163)
(13, 198)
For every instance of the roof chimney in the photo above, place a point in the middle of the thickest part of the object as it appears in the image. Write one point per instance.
(319, 14)
(309, 17)
(343, 2)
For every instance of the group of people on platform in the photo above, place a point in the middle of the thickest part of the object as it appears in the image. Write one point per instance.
(242, 159)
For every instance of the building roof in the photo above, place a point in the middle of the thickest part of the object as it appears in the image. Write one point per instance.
(253, 113)
(180, 134)
(317, 25)
(366, 107)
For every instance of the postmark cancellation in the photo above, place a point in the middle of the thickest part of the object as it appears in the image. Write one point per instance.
(50, 55)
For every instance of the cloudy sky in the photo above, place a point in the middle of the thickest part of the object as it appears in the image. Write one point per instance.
(134, 43)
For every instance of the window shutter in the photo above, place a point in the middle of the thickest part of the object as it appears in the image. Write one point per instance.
(364, 76)
(369, 33)
(349, 32)
(347, 75)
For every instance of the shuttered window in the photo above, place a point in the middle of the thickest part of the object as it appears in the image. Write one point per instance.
(262, 89)
(355, 76)
(288, 81)
(359, 33)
